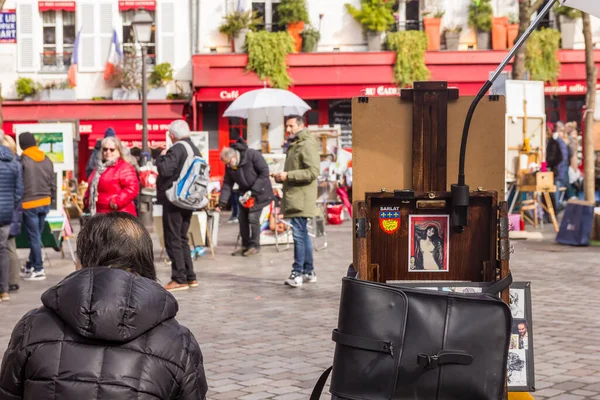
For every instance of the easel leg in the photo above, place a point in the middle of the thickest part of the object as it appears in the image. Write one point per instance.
(550, 209)
(209, 239)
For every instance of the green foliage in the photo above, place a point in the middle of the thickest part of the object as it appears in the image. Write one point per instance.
(267, 53)
(99, 98)
(310, 38)
(480, 15)
(26, 87)
(239, 20)
(374, 15)
(540, 59)
(567, 12)
(292, 11)
(161, 75)
(513, 18)
(453, 29)
(410, 47)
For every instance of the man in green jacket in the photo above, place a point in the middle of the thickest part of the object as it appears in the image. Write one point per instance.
(302, 168)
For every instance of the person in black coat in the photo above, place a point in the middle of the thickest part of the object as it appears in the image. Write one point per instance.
(107, 331)
(250, 171)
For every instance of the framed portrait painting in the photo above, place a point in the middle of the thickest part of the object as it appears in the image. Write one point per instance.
(428, 243)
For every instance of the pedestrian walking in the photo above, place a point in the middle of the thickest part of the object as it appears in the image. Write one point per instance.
(96, 155)
(11, 193)
(108, 330)
(39, 188)
(15, 226)
(176, 220)
(114, 184)
(301, 171)
(248, 169)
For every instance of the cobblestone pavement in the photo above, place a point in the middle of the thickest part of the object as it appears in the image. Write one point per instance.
(264, 340)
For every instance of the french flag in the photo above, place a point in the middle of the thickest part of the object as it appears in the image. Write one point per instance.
(74, 61)
(115, 57)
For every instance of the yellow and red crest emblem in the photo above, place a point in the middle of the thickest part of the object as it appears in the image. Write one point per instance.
(389, 221)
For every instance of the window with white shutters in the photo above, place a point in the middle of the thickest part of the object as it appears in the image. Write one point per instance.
(96, 34)
(166, 32)
(26, 54)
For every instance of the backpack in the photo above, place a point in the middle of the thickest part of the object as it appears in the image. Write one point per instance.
(553, 153)
(189, 191)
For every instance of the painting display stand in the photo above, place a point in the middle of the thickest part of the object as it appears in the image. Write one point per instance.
(402, 229)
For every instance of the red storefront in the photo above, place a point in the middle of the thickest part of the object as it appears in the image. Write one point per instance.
(327, 81)
(92, 118)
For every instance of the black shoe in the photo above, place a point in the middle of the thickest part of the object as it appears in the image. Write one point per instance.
(13, 288)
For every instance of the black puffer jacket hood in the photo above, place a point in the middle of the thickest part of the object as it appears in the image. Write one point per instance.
(110, 304)
(103, 334)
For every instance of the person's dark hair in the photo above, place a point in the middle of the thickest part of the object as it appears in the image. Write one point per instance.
(116, 240)
(438, 250)
(299, 119)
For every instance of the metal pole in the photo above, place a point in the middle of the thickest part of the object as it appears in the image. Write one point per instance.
(144, 105)
(460, 191)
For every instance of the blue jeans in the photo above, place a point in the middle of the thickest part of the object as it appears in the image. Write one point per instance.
(303, 250)
(559, 183)
(235, 204)
(34, 221)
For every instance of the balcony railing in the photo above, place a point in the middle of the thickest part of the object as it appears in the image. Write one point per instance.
(51, 61)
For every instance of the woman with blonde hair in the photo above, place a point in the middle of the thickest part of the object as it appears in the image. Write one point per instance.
(15, 230)
(113, 183)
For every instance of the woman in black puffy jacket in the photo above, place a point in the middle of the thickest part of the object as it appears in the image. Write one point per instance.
(107, 331)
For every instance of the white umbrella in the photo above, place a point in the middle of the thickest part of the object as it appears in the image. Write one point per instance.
(591, 7)
(265, 99)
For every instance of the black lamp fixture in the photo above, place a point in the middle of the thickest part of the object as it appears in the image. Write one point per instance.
(460, 191)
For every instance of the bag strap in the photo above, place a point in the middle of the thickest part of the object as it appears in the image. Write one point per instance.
(316, 393)
(444, 357)
(188, 148)
(499, 286)
(363, 343)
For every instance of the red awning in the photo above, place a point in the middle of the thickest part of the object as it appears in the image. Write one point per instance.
(57, 5)
(125, 5)
(128, 131)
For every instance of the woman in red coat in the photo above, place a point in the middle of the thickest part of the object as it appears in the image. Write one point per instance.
(114, 183)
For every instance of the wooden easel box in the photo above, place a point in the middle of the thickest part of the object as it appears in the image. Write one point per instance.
(382, 145)
(382, 158)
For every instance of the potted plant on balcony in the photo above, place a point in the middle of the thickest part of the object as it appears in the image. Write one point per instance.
(310, 39)
(513, 29)
(236, 27)
(541, 56)
(410, 47)
(376, 17)
(432, 22)
(568, 18)
(452, 35)
(480, 19)
(160, 77)
(26, 88)
(267, 56)
(499, 33)
(293, 15)
(57, 91)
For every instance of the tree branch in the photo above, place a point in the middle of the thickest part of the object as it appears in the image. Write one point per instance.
(537, 4)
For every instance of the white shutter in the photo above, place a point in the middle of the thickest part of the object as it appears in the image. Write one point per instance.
(96, 22)
(165, 28)
(26, 55)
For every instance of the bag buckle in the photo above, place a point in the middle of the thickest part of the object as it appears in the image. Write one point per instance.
(428, 362)
(389, 346)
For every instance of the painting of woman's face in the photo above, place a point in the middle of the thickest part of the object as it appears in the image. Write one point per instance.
(428, 243)
(431, 231)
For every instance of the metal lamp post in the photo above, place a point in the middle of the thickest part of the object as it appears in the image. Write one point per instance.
(142, 26)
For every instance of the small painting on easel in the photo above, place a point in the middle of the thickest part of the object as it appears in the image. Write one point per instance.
(428, 243)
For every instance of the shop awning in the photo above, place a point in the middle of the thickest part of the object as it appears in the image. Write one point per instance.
(57, 6)
(128, 131)
(125, 5)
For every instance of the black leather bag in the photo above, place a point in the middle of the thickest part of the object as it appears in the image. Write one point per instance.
(396, 343)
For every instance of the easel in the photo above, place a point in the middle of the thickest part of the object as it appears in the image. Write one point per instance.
(543, 186)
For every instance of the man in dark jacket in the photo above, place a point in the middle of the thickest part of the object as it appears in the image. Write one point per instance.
(176, 221)
(39, 188)
(95, 157)
(105, 332)
(11, 192)
(250, 171)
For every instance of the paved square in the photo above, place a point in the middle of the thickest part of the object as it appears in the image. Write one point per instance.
(264, 340)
